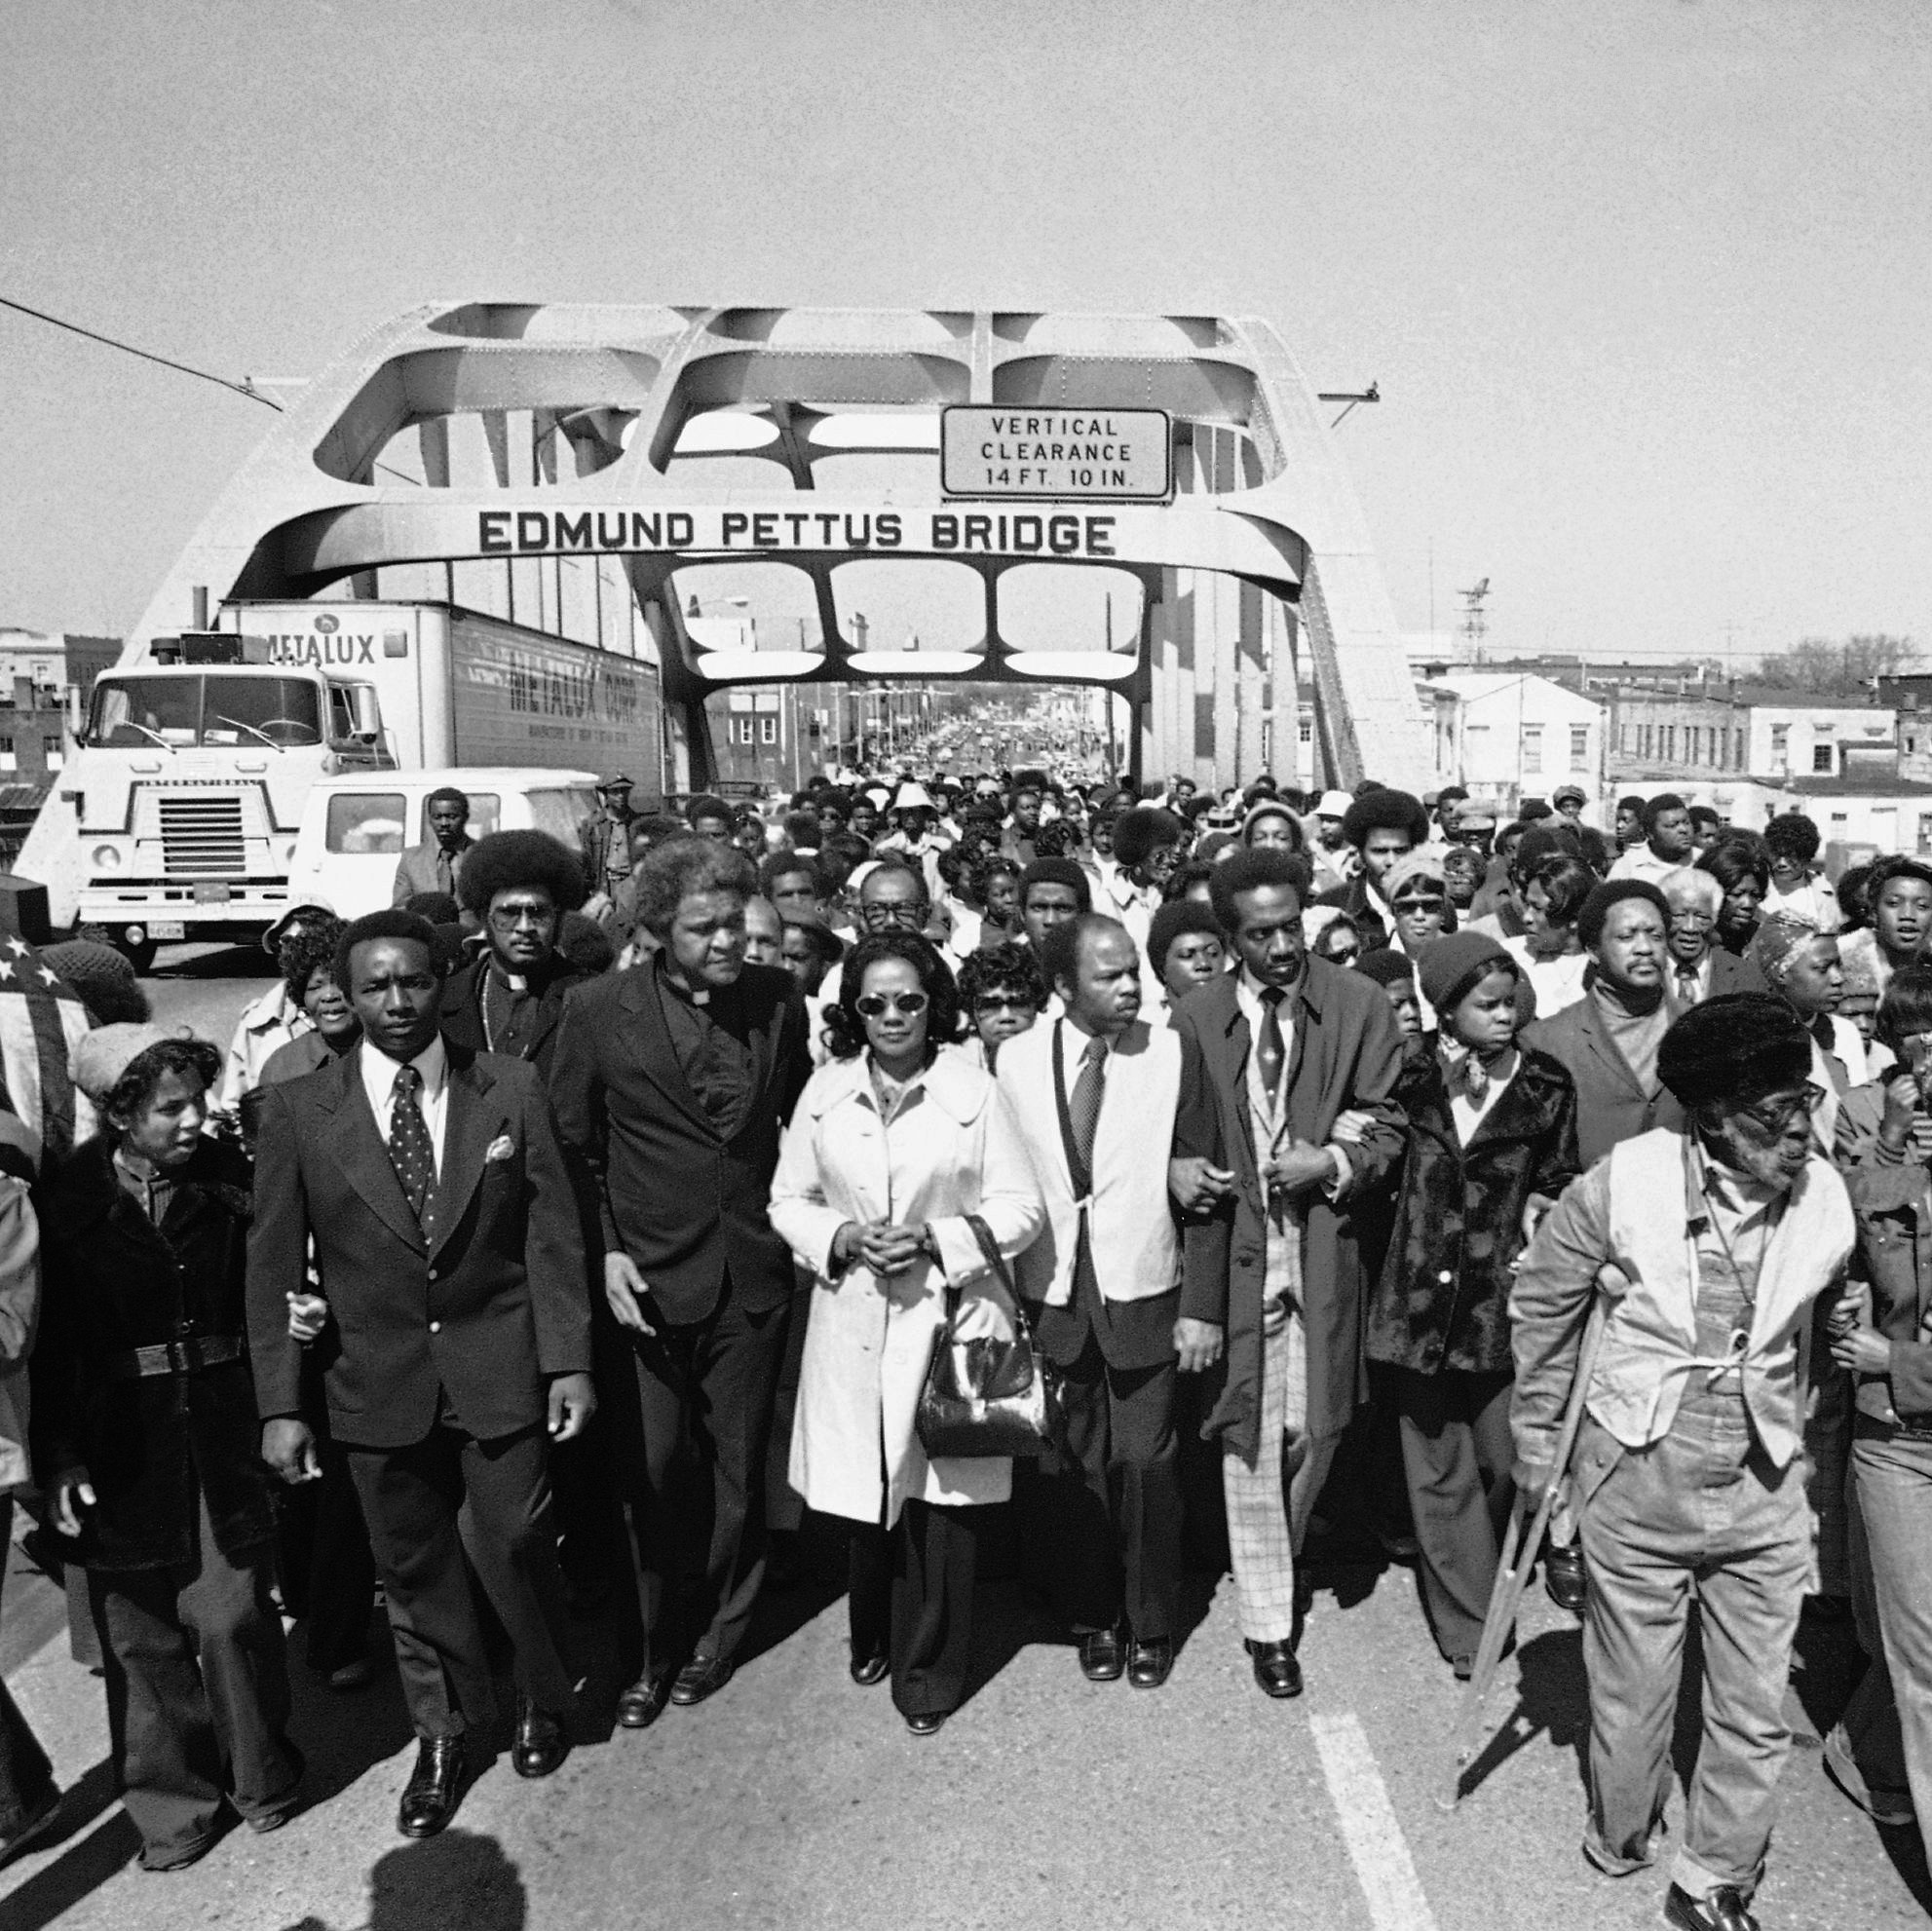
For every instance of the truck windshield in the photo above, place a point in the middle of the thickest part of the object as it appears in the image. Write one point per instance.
(221, 708)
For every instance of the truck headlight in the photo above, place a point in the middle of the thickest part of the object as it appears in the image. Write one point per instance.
(107, 858)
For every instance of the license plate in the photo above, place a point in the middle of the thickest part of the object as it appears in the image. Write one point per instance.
(212, 891)
(167, 928)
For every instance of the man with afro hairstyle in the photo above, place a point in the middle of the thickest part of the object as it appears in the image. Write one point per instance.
(518, 885)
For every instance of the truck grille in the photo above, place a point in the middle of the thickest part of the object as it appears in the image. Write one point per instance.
(202, 837)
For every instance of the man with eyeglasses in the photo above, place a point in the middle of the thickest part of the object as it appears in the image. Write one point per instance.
(1687, 1474)
(520, 884)
(1699, 967)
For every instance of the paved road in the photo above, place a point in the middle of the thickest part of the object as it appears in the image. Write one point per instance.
(794, 1799)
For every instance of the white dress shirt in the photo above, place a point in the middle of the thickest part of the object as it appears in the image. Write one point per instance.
(379, 1073)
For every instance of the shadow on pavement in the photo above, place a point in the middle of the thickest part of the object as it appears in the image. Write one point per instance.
(459, 1878)
(228, 961)
(1553, 1699)
(90, 1863)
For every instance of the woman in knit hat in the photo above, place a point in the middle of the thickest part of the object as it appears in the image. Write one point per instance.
(1491, 1143)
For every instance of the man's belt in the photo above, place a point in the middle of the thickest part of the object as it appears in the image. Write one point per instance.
(174, 1357)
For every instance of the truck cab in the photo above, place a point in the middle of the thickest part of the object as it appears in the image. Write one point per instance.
(187, 788)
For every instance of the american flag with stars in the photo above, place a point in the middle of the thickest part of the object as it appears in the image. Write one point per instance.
(40, 1021)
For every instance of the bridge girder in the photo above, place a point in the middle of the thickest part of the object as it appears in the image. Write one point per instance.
(619, 387)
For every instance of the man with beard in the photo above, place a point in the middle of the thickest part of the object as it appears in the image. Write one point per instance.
(1687, 1475)
(518, 885)
(1609, 1040)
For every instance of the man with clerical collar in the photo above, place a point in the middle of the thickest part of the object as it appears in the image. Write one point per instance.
(520, 884)
(672, 1082)
(1701, 1251)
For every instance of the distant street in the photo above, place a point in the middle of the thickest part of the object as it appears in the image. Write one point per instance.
(1046, 1803)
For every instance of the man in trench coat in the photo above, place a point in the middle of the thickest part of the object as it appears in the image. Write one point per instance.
(1272, 1056)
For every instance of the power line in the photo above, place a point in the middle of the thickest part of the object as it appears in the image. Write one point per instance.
(242, 388)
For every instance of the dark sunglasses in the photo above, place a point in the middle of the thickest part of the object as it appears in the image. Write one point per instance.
(875, 1005)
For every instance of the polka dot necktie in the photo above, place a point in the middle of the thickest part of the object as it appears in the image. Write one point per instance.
(409, 1146)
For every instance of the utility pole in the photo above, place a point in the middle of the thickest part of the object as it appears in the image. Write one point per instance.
(1475, 619)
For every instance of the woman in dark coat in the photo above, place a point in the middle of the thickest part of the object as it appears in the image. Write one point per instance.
(144, 1436)
(1491, 1143)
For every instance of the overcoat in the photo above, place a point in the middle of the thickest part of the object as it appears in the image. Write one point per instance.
(1611, 1104)
(116, 1282)
(1345, 1055)
(951, 1149)
(1443, 1298)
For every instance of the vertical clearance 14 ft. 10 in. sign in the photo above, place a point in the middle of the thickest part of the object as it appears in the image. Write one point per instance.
(1060, 455)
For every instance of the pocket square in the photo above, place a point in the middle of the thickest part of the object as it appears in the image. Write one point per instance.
(500, 1148)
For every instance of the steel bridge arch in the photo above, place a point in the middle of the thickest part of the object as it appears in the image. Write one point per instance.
(619, 386)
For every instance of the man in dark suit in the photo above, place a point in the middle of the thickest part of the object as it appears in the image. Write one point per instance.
(1272, 1058)
(436, 865)
(519, 884)
(1607, 1041)
(672, 1081)
(446, 1235)
(1700, 968)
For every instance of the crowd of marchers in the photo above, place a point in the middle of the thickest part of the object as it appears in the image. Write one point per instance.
(601, 1207)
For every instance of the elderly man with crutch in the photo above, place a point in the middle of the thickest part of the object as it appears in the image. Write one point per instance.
(1686, 1473)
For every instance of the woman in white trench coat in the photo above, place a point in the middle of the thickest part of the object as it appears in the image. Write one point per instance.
(893, 1143)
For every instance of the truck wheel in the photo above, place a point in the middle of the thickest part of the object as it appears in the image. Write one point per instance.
(139, 953)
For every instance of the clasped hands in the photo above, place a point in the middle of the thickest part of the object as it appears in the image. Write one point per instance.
(880, 1245)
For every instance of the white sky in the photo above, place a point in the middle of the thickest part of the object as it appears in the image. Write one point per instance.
(1647, 286)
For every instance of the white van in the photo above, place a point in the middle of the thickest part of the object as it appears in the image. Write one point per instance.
(353, 829)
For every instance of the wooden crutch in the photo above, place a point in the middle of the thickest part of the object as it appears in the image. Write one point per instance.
(1519, 1551)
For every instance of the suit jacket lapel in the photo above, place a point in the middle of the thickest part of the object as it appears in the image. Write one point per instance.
(359, 1149)
(1231, 1046)
(469, 1128)
(1605, 1048)
(655, 1052)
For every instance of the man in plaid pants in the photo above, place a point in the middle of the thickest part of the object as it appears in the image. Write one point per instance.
(1272, 1056)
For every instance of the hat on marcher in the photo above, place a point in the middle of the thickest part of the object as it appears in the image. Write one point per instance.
(104, 977)
(1736, 1047)
(1385, 966)
(1471, 816)
(273, 937)
(107, 1052)
(1449, 967)
(913, 797)
(1564, 791)
(617, 782)
(1333, 804)
(1423, 864)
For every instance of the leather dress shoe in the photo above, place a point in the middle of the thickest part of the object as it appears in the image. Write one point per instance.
(1276, 1669)
(540, 1744)
(1566, 1580)
(925, 1724)
(868, 1670)
(435, 1788)
(640, 1704)
(1721, 1909)
(1150, 1661)
(701, 1676)
(352, 1676)
(1102, 1655)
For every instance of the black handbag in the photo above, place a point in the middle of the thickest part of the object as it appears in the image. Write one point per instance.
(986, 1395)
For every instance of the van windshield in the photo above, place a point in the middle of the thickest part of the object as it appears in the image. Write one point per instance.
(229, 709)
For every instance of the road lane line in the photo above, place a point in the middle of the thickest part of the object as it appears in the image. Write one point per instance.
(1377, 1847)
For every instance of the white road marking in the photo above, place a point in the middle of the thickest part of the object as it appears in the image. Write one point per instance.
(1377, 1847)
